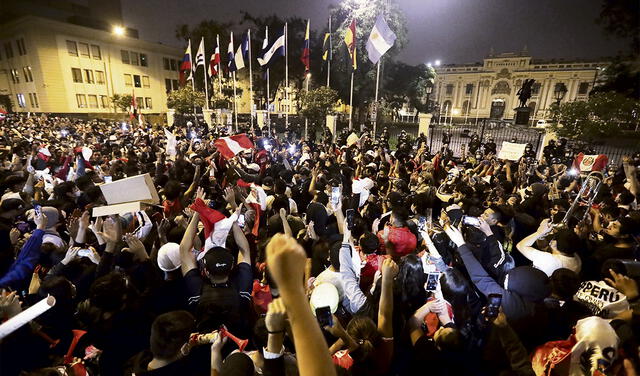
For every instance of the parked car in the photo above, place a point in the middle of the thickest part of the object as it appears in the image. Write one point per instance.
(542, 123)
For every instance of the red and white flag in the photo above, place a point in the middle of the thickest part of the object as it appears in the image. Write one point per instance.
(215, 60)
(588, 163)
(230, 146)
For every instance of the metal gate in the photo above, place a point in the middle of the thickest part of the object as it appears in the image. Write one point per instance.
(458, 135)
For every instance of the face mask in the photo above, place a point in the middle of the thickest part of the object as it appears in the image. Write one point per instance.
(77, 193)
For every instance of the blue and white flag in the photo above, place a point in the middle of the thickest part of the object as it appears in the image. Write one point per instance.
(380, 40)
(238, 61)
(231, 64)
(200, 55)
(276, 49)
(245, 46)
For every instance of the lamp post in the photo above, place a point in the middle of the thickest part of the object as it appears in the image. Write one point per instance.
(559, 92)
(118, 31)
(428, 90)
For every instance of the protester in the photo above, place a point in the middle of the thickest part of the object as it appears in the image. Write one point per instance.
(312, 258)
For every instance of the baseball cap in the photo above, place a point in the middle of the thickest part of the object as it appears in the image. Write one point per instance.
(218, 261)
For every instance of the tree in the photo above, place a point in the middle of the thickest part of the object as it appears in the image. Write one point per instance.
(603, 115)
(185, 99)
(317, 103)
(122, 101)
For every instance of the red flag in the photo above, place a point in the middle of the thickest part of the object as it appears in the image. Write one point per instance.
(230, 146)
(350, 41)
(305, 50)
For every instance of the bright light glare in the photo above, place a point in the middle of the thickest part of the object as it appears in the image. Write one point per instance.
(292, 149)
(456, 111)
(429, 64)
(437, 63)
(309, 75)
(118, 30)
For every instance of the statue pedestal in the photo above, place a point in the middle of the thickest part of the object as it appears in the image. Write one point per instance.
(522, 115)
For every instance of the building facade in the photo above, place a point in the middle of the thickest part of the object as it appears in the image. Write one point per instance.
(48, 65)
(489, 89)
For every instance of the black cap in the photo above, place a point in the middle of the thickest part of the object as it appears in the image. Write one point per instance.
(218, 261)
(12, 204)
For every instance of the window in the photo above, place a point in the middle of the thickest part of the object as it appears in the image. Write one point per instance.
(167, 85)
(127, 80)
(82, 100)
(15, 76)
(143, 60)
(166, 64)
(134, 58)
(33, 98)
(88, 73)
(99, 77)
(84, 49)
(535, 89)
(147, 101)
(449, 89)
(72, 48)
(583, 89)
(136, 81)
(93, 101)
(104, 101)
(77, 75)
(28, 77)
(95, 51)
(175, 84)
(21, 48)
(21, 101)
(145, 81)
(174, 64)
(125, 56)
(140, 102)
(468, 90)
(8, 50)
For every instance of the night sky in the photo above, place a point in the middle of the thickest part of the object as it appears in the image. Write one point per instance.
(454, 31)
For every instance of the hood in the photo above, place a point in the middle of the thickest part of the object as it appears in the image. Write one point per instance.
(528, 282)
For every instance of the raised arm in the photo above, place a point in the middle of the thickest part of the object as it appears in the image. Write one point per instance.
(385, 309)
(286, 259)
(187, 258)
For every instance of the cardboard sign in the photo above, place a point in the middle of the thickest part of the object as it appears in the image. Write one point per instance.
(511, 151)
(127, 195)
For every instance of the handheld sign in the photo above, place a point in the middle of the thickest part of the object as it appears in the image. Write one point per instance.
(511, 151)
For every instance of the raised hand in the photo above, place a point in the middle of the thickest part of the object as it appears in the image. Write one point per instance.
(135, 247)
(286, 260)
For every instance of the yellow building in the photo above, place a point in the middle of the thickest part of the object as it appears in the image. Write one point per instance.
(489, 89)
(47, 65)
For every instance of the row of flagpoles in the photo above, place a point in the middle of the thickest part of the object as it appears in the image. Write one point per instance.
(381, 39)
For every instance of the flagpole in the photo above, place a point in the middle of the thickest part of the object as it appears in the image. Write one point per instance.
(206, 89)
(219, 75)
(351, 104)
(266, 37)
(235, 103)
(375, 104)
(193, 79)
(329, 56)
(286, 73)
(250, 81)
(306, 120)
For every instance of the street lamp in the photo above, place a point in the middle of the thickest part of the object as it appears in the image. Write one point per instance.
(428, 90)
(118, 30)
(437, 63)
(559, 92)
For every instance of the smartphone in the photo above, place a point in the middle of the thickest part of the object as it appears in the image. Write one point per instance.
(84, 252)
(493, 308)
(472, 221)
(37, 208)
(335, 196)
(323, 314)
(349, 215)
(108, 179)
(433, 279)
(241, 220)
(422, 223)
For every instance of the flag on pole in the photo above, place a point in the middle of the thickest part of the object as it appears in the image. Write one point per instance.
(380, 40)
(350, 41)
(245, 46)
(230, 146)
(214, 61)
(276, 49)
(134, 107)
(238, 59)
(305, 49)
(231, 64)
(326, 47)
(186, 63)
(200, 54)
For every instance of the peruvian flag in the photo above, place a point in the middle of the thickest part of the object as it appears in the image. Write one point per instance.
(230, 146)
(588, 163)
(3, 114)
(134, 107)
(214, 61)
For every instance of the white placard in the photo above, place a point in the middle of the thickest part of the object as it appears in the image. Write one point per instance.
(511, 151)
(135, 188)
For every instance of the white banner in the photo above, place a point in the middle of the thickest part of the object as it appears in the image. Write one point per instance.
(511, 151)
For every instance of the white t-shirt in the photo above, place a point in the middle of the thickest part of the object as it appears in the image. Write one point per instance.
(550, 262)
(329, 276)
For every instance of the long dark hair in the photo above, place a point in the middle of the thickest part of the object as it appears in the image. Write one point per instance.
(410, 284)
(465, 303)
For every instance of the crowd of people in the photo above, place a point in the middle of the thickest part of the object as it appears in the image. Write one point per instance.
(312, 257)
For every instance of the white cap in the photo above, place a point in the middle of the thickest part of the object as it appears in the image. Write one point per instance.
(86, 153)
(253, 166)
(324, 295)
(169, 257)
